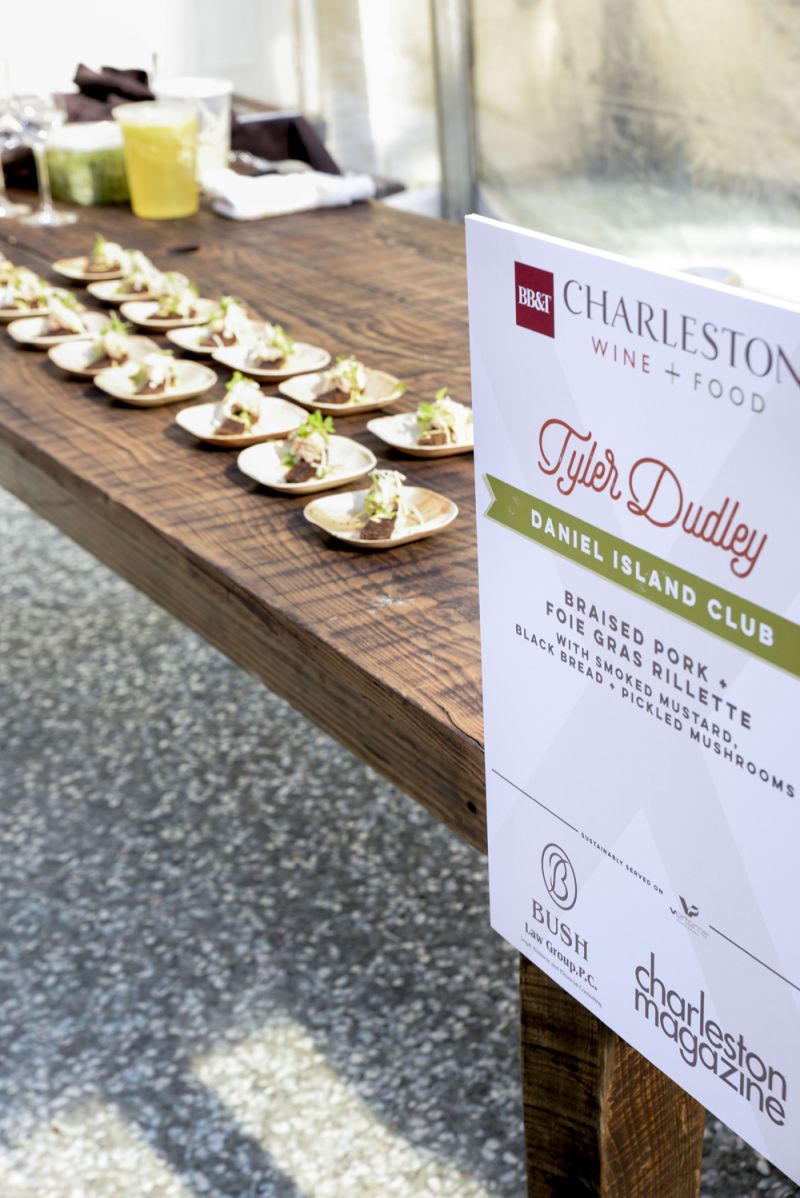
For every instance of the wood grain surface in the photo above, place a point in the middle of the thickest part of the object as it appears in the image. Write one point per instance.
(599, 1119)
(380, 649)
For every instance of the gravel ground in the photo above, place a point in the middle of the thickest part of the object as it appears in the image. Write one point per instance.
(233, 960)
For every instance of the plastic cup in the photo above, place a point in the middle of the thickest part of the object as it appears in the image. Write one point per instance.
(211, 99)
(160, 141)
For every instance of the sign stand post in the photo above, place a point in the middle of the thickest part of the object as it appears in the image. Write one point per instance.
(599, 1119)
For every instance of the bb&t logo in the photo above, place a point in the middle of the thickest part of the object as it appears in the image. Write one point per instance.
(534, 291)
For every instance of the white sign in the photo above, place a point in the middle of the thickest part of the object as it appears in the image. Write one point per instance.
(637, 441)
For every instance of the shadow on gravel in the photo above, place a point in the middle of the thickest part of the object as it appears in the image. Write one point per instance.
(185, 860)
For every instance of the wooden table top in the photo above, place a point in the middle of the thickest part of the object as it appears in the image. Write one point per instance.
(381, 649)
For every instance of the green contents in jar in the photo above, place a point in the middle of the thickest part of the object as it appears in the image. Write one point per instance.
(87, 164)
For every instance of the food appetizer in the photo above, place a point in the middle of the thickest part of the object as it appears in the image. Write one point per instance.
(105, 261)
(436, 429)
(178, 298)
(6, 268)
(386, 515)
(108, 350)
(267, 352)
(111, 346)
(240, 410)
(346, 389)
(23, 289)
(307, 452)
(155, 374)
(141, 276)
(66, 317)
(310, 457)
(443, 422)
(106, 256)
(229, 325)
(151, 377)
(386, 511)
(345, 382)
(270, 347)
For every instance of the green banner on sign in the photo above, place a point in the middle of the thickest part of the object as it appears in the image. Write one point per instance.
(754, 629)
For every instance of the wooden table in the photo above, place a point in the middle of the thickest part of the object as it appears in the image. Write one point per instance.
(379, 649)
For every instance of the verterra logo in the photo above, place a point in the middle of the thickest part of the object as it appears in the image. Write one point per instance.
(534, 296)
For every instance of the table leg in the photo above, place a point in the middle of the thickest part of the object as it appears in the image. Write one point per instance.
(599, 1119)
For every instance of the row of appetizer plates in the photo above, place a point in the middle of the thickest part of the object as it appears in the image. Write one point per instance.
(187, 331)
(339, 515)
(28, 327)
(281, 417)
(195, 378)
(304, 359)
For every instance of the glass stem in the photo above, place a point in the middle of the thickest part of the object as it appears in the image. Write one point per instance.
(6, 207)
(43, 174)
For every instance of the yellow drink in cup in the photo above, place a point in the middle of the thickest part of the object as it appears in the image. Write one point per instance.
(160, 142)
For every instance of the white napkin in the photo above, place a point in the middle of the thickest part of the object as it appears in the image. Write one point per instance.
(240, 197)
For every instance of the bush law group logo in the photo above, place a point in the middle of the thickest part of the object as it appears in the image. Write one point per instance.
(559, 877)
(534, 292)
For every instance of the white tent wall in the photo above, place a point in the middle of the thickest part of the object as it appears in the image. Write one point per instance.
(251, 42)
(666, 131)
(363, 66)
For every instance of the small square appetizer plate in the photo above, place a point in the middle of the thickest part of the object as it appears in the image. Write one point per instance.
(77, 269)
(343, 517)
(191, 339)
(302, 359)
(266, 464)
(23, 293)
(108, 292)
(402, 432)
(312, 390)
(107, 260)
(143, 312)
(32, 330)
(190, 379)
(277, 418)
(76, 357)
(7, 315)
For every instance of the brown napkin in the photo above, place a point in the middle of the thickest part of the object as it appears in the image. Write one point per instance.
(268, 135)
(282, 135)
(100, 91)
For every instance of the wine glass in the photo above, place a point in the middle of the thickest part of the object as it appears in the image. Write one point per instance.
(38, 116)
(9, 140)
